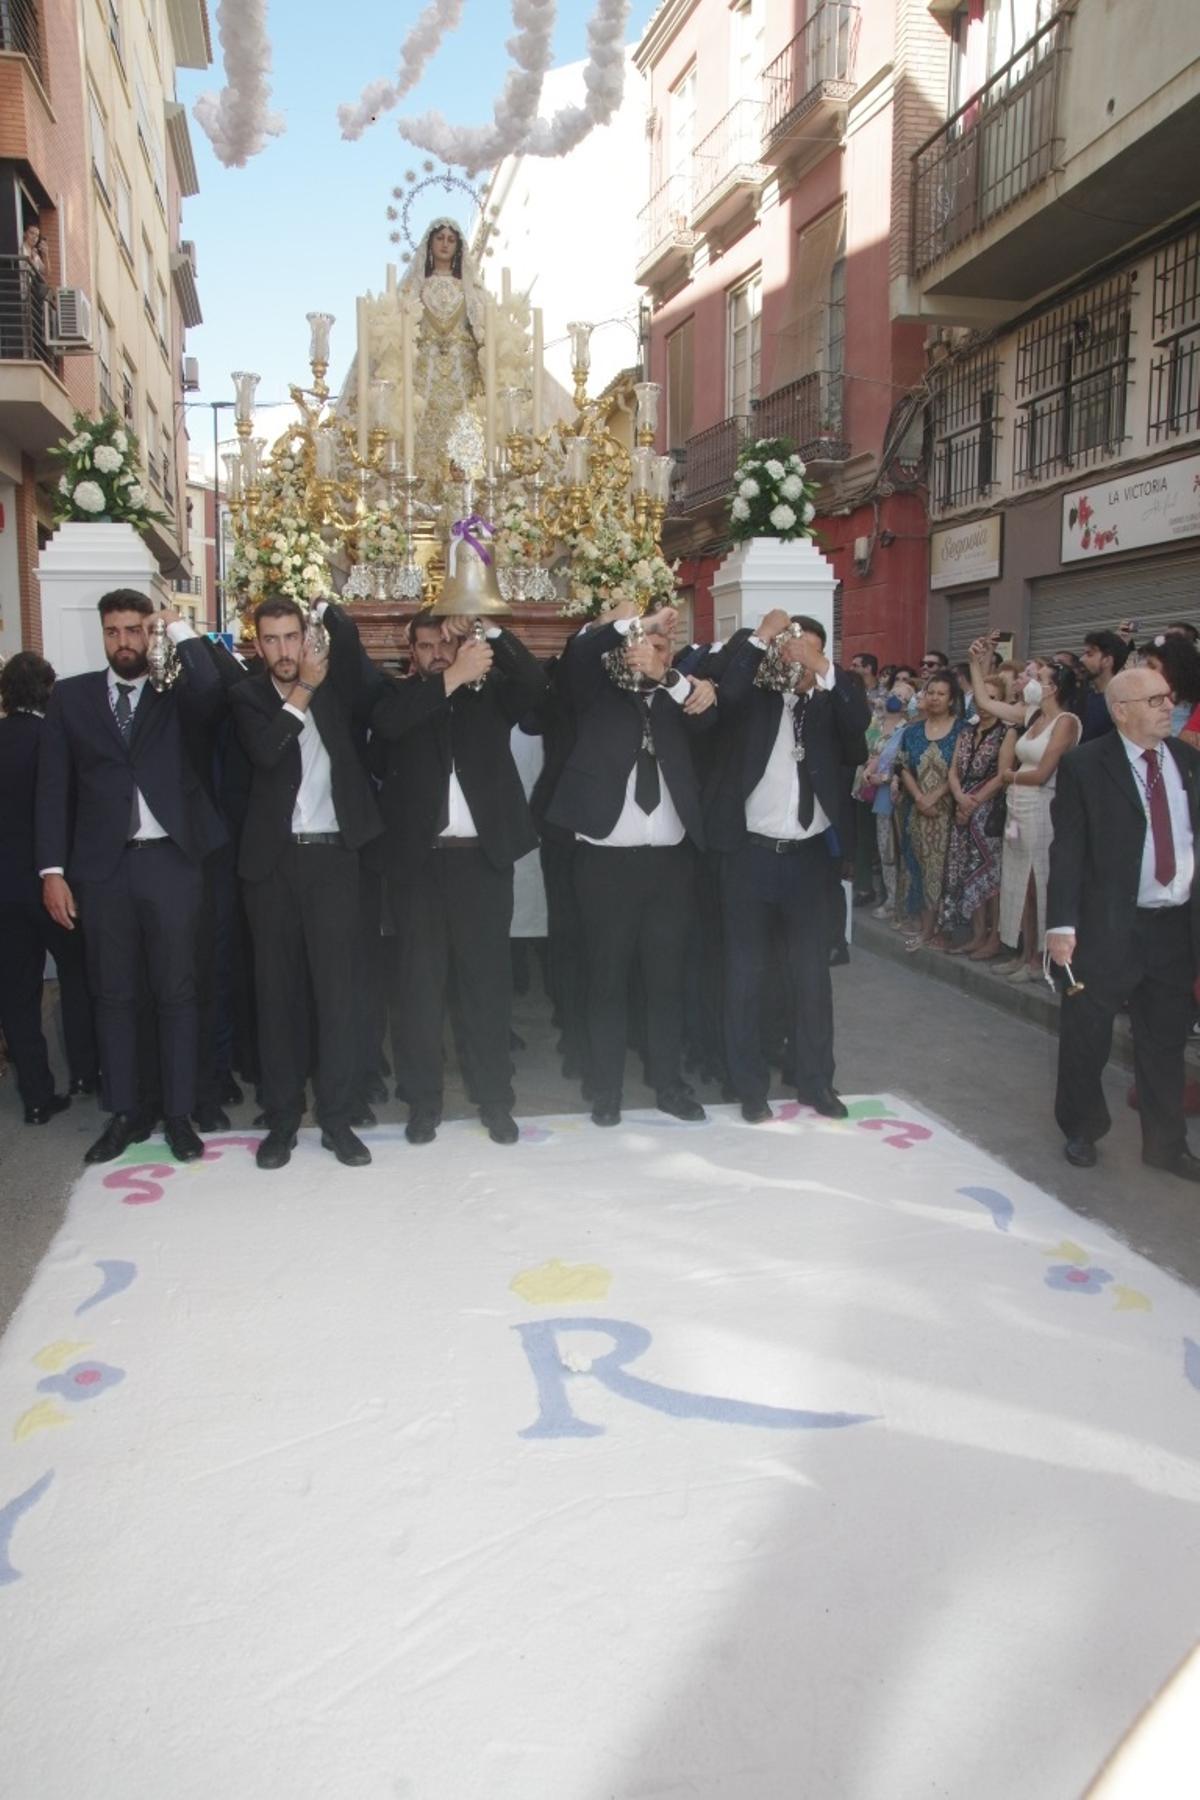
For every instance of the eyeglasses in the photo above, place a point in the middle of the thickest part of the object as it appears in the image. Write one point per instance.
(1158, 701)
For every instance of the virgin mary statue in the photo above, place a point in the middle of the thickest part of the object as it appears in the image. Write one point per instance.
(441, 287)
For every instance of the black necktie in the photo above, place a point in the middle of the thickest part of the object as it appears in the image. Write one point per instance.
(804, 811)
(123, 712)
(646, 790)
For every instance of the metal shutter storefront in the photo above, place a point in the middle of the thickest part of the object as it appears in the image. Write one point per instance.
(966, 619)
(1154, 592)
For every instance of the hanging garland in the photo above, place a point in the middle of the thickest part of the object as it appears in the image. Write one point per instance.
(238, 121)
(380, 96)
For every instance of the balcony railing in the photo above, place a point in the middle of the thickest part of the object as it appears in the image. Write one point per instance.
(664, 218)
(819, 62)
(994, 150)
(23, 296)
(710, 460)
(731, 147)
(20, 31)
(187, 584)
(809, 413)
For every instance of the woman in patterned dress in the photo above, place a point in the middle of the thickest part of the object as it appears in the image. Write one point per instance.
(924, 761)
(971, 889)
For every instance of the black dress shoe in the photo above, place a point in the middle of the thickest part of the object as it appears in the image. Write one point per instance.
(1080, 1153)
(755, 1112)
(82, 1084)
(42, 1115)
(231, 1093)
(362, 1115)
(210, 1118)
(423, 1122)
(182, 1141)
(122, 1130)
(606, 1110)
(275, 1151)
(680, 1104)
(501, 1126)
(345, 1146)
(824, 1101)
(1185, 1165)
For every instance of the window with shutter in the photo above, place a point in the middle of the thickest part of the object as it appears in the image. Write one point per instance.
(745, 347)
(807, 332)
(679, 386)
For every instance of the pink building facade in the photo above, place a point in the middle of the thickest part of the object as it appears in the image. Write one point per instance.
(779, 160)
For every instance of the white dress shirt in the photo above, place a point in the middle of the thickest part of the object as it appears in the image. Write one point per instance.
(459, 822)
(1151, 892)
(773, 807)
(314, 809)
(634, 828)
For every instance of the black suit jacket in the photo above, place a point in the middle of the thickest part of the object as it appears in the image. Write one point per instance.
(20, 735)
(1096, 853)
(87, 772)
(270, 738)
(425, 732)
(591, 789)
(834, 727)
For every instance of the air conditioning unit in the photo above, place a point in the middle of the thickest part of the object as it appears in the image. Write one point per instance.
(69, 320)
(191, 374)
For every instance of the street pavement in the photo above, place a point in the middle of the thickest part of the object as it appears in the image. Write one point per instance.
(987, 1074)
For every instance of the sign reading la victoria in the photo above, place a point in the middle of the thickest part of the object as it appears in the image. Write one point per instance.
(1126, 512)
(962, 553)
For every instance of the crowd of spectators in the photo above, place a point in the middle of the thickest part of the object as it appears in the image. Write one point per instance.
(954, 799)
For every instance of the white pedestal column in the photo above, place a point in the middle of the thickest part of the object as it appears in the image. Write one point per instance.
(765, 573)
(81, 562)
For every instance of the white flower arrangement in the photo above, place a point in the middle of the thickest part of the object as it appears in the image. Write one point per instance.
(520, 538)
(610, 563)
(770, 497)
(380, 539)
(100, 475)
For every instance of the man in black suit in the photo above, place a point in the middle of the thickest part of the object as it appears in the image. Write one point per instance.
(310, 811)
(772, 801)
(27, 932)
(629, 794)
(457, 821)
(123, 826)
(1123, 911)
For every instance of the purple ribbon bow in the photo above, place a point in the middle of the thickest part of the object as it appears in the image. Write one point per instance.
(463, 532)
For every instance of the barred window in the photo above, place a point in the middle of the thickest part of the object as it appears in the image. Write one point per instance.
(1175, 365)
(1072, 382)
(966, 427)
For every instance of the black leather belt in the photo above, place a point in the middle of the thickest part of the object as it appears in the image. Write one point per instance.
(1162, 912)
(145, 843)
(782, 846)
(455, 843)
(317, 837)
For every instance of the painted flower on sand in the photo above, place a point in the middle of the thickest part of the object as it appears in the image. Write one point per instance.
(82, 1381)
(1076, 1280)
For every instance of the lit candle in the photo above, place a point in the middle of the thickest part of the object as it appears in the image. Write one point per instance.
(406, 358)
(363, 373)
(538, 357)
(489, 385)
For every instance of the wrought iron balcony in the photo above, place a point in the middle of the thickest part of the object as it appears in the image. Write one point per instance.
(23, 297)
(809, 413)
(665, 238)
(20, 30)
(726, 172)
(996, 148)
(709, 462)
(807, 87)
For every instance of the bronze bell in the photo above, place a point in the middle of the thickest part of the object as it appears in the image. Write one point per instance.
(471, 591)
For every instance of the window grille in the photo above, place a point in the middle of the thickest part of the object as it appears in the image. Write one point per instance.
(1175, 365)
(966, 427)
(1072, 382)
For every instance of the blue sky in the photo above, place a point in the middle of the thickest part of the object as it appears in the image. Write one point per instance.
(303, 227)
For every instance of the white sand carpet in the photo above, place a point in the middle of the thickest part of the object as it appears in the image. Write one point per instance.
(802, 1462)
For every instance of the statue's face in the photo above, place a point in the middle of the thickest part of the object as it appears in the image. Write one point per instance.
(444, 244)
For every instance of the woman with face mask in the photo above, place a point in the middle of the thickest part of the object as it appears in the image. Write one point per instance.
(971, 892)
(1052, 731)
(924, 761)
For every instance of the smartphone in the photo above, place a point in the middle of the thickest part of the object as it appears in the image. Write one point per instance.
(1005, 641)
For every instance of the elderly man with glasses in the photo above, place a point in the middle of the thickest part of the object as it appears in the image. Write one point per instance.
(1124, 912)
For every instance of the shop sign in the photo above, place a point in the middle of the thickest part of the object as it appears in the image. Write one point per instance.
(1126, 512)
(965, 553)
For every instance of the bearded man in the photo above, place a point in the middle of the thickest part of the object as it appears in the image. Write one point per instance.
(123, 827)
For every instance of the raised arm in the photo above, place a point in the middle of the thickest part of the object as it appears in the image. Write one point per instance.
(265, 737)
(1008, 710)
(523, 684)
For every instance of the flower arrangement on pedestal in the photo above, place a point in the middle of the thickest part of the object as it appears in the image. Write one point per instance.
(520, 537)
(771, 497)
(101, 480)
(610, 563)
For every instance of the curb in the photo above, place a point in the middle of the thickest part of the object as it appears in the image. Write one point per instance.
(1031, 1000)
